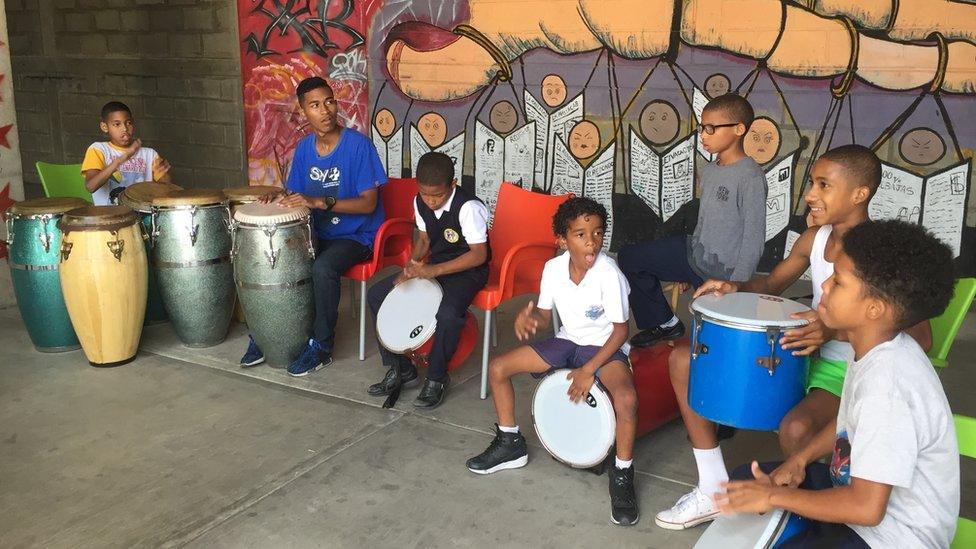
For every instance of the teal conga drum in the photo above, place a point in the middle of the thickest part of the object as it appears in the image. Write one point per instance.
(34, 243)
(139, 197)
(191, 255)
(273, 253)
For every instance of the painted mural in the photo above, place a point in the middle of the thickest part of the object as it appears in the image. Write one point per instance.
(602, 98)
(11, 176)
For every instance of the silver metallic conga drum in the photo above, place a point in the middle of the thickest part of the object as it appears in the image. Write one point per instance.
(139, 197)
(34, 245)
(191, 253)
(238, 196)
(273, 253)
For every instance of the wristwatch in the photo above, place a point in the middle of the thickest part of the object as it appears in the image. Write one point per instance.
(330, 202)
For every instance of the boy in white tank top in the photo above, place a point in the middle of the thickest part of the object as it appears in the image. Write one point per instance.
(843, 181)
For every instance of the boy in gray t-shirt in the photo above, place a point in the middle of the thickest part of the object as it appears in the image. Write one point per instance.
(893, 478)
(729, 235)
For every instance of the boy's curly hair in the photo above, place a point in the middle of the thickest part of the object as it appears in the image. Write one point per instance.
(904, 265)
(573, 208)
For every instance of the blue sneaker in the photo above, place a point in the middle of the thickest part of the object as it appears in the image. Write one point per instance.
(253, 356)
(312, 358)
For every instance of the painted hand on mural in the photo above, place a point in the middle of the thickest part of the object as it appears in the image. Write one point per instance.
(777, 32)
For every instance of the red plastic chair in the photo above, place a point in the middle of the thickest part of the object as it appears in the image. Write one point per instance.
(392, 245)
(521, 242)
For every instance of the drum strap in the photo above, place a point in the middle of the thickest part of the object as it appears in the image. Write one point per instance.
(23, 267)
(201, 263)
(279, 285)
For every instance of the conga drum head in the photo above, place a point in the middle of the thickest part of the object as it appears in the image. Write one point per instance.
(269, 214)
(140, 196)
(45, 206)
(245, 195)
(577, 434)
(190, 197)
(408, 316)
(754, 312)
(98, 218)
(748, 530)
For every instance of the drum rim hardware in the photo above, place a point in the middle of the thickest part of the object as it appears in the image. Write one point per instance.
(772, 361)
(116, 246)
(44, 237)
(65, 250)
(272, 227)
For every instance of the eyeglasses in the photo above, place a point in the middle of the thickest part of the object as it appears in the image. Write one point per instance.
(710, 128)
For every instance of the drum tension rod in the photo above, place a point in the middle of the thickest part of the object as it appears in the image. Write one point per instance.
(116, 246)
(45, 237)
(772, 361)
(271, 253)
(194, 228)
(65, 250)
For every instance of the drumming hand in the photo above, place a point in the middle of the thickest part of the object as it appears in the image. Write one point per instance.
(717, 287)
(807, 338)
(747, 496)
(526, 323)
(582, 382)
(161, 167)
(295, 200)
(268, 198)
(790, 473)
(416, 269)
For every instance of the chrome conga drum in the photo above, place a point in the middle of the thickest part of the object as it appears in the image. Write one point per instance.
(237, 197)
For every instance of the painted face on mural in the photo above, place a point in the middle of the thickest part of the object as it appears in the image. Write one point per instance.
(321, 110)
(584, 139)
(433, 129)
(716, 85)
(503, 117)
(553, 90)
(659, 122)
(921, 147)
(385, 122)
(762, 140)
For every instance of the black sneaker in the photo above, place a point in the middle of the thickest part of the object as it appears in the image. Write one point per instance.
(432, 394)
(506, 451)
(623, 498)
(649, 337)
(253, 356)
(408, 378)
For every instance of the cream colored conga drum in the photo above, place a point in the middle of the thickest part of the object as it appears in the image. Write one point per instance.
(236, 197)
(104, 279)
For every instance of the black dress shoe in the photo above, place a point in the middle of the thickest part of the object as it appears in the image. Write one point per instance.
(649, 337)
(432, 394)
(408, 378)
(623, 497)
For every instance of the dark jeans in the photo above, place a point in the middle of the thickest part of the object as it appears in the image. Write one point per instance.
(459, 290)
(645, 265)
(334, 257)
(820, 534)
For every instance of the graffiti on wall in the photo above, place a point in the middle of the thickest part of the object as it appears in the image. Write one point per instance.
(11, 176)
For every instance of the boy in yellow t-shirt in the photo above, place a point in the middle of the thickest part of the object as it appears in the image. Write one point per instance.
(122, 160)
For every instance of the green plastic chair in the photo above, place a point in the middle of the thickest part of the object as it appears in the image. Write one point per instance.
(966, 434)
(946, 326)
(63, 180)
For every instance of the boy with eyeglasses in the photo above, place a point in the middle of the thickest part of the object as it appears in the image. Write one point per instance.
(729, 235)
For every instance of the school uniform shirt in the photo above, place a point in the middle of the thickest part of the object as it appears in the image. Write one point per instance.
(460, 222)
(894, 427)
(588, 310)
(351, 169)
(134, 170)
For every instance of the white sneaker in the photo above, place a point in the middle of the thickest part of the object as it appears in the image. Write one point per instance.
(691, 510)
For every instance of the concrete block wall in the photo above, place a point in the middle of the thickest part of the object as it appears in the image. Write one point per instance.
(174, 62)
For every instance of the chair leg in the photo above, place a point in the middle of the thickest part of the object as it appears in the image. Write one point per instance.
(362, 320)
(352, 292)
(494, 334)
(484, 356)
(555, 322)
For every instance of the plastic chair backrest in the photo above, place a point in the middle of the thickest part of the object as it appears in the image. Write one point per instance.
(946, 326)
(63, 180)
(398, 195)
(966, 435)
(521, 216)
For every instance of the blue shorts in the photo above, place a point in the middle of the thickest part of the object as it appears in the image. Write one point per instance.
(563, 353)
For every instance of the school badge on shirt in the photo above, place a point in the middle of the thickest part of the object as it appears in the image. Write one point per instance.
(451, 235)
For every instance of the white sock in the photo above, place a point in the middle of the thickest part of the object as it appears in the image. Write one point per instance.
(711, 470)
(622, 464)
(504, 429)
(671, 323)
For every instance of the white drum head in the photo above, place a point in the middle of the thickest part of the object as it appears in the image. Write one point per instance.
(579, 434)
(408, 316)
(744, 531)
(759, 310)
(269, 214)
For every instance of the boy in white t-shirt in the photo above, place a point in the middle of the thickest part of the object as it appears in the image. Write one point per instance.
(122, 160)
(590, 294)
(893, 478)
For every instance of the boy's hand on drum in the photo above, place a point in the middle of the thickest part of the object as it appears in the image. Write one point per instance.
(790, 473)
(268, 198)
(416, 269)
(295, 200)
(806, 339)
(582, 382)
(747, 496)
(717, 287)
(527, 322)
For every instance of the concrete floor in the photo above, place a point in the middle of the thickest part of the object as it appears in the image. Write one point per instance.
(181, 447)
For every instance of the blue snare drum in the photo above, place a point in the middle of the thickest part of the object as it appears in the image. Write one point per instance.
(749, 531)
(740, 376)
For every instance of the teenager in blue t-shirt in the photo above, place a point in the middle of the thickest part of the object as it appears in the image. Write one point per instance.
(337, 173)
